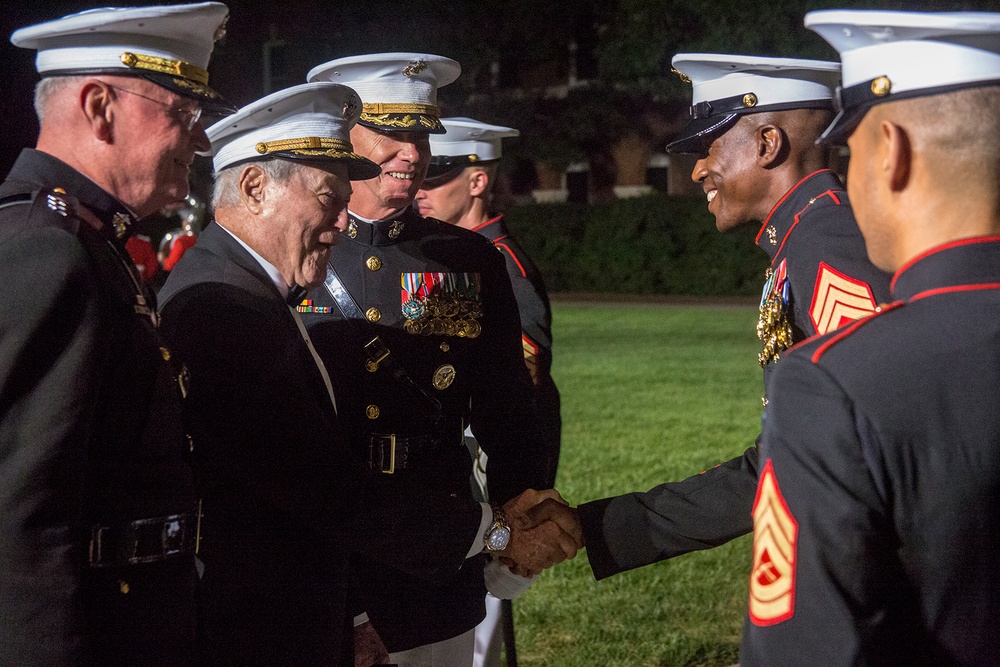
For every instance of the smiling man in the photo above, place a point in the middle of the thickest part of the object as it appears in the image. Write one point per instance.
(754, 125)
(97, 499)
(418, 321)
(276, 481)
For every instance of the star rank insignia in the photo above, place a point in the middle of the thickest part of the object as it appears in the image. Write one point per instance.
(775, 531)
(838, 299)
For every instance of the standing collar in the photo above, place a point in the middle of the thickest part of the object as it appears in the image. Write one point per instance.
(43, 170)
(782, 218)
(963, 263)
(387, 231)
(492, 227)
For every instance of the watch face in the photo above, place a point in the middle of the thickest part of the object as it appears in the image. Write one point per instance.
(498, 539)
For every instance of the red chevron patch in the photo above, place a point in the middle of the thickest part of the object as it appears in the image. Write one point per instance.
(838, 299)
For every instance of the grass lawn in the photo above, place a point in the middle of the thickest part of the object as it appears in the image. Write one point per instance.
(651, 393)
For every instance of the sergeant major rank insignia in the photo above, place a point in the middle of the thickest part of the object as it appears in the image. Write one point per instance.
(441, 304)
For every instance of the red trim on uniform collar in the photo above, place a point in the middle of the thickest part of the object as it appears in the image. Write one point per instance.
(783, 198)
(851, 328)
(488, 222)
(936, 249)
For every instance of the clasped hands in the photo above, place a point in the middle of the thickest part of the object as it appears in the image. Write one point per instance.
(544, 530)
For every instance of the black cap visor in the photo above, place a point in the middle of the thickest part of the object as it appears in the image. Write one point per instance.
(699, 133)
(402, 122)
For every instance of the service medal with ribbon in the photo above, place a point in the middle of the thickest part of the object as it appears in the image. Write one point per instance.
(774, 327)
(441, 304)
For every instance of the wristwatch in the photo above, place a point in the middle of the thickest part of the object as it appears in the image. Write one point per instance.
(497, 536)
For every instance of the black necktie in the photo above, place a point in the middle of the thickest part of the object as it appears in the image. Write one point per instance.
(295, 295)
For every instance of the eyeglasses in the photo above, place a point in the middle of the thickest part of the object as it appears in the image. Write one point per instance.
(188, 117)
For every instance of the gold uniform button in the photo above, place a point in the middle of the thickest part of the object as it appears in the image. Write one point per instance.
(166, 353)
(372, 412)
(373, 263)
(373, 315)
(123, 587)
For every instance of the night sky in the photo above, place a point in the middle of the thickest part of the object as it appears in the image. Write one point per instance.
(319, 30)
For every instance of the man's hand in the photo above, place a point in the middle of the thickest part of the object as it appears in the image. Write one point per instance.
(544, 531)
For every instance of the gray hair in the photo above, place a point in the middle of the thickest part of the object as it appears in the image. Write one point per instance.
(48, 87)
(226, 190)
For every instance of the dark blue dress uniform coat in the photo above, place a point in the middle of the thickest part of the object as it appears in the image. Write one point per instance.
(275, 478)
(536, 334)
(93, 468)
(877, 526)
(819, 279)
(479, 379)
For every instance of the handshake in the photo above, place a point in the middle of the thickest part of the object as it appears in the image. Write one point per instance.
(544, 530)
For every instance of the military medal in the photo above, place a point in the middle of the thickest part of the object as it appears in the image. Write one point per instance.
(412, 284)
(443, 377)
(773, 327)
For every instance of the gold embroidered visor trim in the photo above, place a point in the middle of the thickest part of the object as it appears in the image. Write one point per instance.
(165, 66)
(304, 143)
(390, 107)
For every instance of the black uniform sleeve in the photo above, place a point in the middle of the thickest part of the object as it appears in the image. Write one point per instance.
(838, 559)
(535, 319)
(700, 512)
(49, 323)
(503, 418)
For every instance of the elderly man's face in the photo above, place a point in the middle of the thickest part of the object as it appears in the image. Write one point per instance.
(730, 177)
(403, 157)
(157, 139)
(303, 220)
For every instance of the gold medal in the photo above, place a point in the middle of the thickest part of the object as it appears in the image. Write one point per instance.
(443, 377)
(474, 329)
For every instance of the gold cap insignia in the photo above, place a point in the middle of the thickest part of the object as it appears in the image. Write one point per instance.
(881, 86)
(684, 77)
(749, 100)
(415, 68)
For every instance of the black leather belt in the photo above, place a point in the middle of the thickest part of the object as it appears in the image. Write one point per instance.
(389, 453)
(142, 541)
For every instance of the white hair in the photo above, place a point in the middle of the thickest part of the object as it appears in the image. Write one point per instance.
(226, 190)
(48, 87)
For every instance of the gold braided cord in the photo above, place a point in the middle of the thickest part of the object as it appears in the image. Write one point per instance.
(304, 143)
(390, 107)
(331, 152)
(165, 66)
